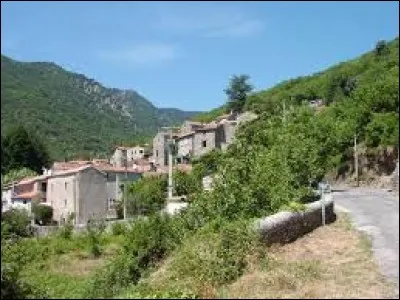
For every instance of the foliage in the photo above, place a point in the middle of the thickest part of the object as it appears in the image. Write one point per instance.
(94, 229)
(16, 222)
(380, 48)
(145, 244)
(68, 108)
(382, 130)
(16, 175)
(237, 92)
(185, 183)
(216, 253)
(24, 150)
(13, 259)
(43, 213)
(66, 230)
(118, 228)
(209, 116)
(146, 196)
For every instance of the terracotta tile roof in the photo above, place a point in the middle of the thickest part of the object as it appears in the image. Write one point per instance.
(28, 180)
(27, 195)
(73, 171)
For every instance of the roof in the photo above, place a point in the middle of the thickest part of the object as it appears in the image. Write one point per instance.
(28, 180)
(117, 169)
(75, 170)
(185, 135)
(208, 127)
(27, 195)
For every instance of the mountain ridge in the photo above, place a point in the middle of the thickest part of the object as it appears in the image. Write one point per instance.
(77, 114)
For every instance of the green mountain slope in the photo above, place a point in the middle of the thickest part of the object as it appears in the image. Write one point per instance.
(76, 114)
(334, 84)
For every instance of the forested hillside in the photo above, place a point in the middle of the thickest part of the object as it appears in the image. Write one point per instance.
(334, 85)
(76, 115)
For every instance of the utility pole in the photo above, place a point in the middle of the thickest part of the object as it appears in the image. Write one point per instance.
(170, 187)
(356, 160)
(125, 183)
(170, 161)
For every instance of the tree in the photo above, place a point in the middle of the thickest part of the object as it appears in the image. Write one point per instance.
(24, 149)
(16, 175)
(146, 195)
(43, 213)
(380, 48)
(237, 92)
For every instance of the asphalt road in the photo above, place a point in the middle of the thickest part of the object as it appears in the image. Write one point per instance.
(375, 212)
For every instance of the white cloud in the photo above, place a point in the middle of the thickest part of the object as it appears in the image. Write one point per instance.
(212, 21)
(143, 54)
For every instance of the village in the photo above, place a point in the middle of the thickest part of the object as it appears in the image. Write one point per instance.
(91, 189)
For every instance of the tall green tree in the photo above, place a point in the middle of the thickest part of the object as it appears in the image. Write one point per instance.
(237, 92)
(24, 149)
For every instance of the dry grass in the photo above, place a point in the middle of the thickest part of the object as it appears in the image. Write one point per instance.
(334, 261)
(75, 265)
(79, 262)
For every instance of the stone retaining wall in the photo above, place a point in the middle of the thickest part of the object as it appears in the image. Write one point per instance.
(285, 227)
(41, 231)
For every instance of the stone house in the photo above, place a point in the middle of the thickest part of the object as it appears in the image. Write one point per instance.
(196, 139)
(81, 191)
(160, 147)
(115, 180)
(21, 194)
(204, 139)
(126, 156)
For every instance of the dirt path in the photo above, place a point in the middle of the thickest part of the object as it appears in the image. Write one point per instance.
(376, 212)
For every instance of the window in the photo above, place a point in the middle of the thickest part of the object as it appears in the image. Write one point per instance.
(111, 203)
(157, 153)
(24, 201)
(204, 144)
(65, 184)
(44, 187)
(65, 203)
(141, 151)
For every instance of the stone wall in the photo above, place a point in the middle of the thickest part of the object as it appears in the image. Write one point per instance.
(285, 227)
(203, 136)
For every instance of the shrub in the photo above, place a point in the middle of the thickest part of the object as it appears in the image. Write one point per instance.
(66, 230)
(118, 229)
(16, 222)
(146, 195)
(43, 213)
(94, 229)
(146, 243)
(216, 254)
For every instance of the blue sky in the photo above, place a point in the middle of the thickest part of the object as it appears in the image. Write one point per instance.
(182, 54)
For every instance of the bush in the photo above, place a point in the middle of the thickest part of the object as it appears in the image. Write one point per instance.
(147, 195)
(67, 229)
(186, 184)
(118, 229)
(216, 254)
(146, 243)
(16, 222)
(94, 229)
(43, 214)
(14, 256)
